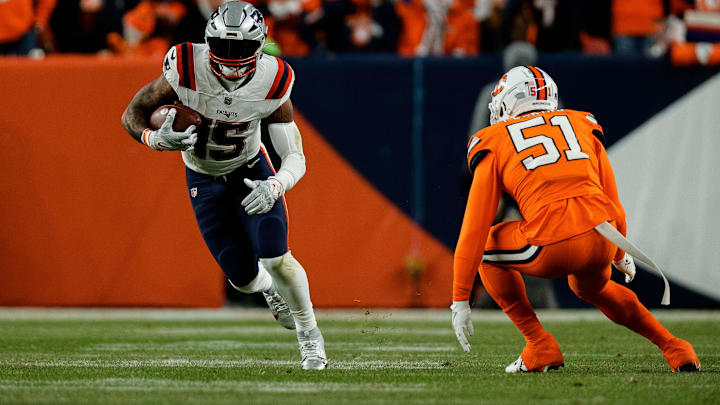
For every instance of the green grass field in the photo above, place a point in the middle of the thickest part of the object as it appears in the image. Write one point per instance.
(392, 357)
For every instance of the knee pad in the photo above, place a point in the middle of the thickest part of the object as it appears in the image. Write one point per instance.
(282, 266)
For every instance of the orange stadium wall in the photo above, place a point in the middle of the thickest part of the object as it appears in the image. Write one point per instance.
(92, 218)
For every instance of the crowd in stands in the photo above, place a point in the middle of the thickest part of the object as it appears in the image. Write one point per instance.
(297, 28)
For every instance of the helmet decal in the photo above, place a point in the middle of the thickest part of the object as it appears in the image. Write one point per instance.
(539, 82)
(500, 85)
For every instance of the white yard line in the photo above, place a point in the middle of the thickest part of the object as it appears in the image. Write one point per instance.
(239, 345)
(165, 385)
(171, 363)
(384, 329)
(369, 315)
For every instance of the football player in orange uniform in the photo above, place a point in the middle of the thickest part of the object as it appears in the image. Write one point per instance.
(553, 163)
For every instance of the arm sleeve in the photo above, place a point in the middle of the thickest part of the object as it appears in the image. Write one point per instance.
(610, 187)
(479, 213)
(286, 140)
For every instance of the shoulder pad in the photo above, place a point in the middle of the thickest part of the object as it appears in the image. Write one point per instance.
(180, 61)
(596, 128)
(284, 78)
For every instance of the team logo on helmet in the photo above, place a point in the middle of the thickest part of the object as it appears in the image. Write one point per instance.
(500, 85)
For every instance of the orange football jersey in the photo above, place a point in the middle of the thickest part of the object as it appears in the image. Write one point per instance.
(554, 165)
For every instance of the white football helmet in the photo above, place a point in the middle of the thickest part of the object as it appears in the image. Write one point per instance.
(235, 34)
(522, 89)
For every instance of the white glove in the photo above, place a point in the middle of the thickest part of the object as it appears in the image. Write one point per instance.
(462, 323)
(627, 266)
(166, 138)
(263, 195)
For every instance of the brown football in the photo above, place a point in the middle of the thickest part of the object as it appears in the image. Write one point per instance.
(184, 117)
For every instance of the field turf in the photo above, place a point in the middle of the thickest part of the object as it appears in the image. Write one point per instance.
(386, 357)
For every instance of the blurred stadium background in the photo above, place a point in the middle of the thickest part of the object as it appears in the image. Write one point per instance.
(387, 93)
(385, 127)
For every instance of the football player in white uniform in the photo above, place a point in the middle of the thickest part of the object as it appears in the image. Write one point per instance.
(236, 194)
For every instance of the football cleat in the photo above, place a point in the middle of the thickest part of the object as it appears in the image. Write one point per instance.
(279, 308)
(518, 366)
(312, 350)
(689, 368)
(681, 356)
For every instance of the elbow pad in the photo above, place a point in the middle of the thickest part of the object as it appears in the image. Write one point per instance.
(286, 140)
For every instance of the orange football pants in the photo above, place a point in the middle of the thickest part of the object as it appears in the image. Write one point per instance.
(584, 259)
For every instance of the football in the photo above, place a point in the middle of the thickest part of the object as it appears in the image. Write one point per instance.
(184, 117)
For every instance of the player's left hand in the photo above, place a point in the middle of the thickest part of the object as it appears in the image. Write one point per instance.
(627, 266)
(263, 195)
(462, 323)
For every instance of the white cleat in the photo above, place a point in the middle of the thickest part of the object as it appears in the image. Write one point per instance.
(279, 308)
(518, 366)
(312, 350)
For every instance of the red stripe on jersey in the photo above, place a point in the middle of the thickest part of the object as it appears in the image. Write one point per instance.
(278, 76)
(178, 64)
(288, 81)
(191, 66)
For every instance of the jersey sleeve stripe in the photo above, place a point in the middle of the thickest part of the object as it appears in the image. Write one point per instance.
(476, 159)
(179, 64)
(278, 77)
(283, 83)
(539, 82)
(186, 67)
(191, 66)
(289, 80)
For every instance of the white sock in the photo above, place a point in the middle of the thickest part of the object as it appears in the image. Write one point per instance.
(261, 283)
(292, 284)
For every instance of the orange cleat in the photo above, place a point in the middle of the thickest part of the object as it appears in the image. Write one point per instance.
(681, 356)
(542, 355)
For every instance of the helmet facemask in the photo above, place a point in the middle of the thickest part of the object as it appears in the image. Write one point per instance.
(232, 58)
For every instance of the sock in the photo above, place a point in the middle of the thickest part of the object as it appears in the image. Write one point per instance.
(292, 284)
(507, 288)
(261, 283)
(622, 306)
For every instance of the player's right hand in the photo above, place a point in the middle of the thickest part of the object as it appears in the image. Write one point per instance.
(166, 138)
(462, 323)
(627, 266)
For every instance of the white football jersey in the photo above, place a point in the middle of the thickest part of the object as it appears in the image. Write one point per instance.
(234, 116)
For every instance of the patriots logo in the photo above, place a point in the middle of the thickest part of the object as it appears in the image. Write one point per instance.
(257, 17)
(193, 192)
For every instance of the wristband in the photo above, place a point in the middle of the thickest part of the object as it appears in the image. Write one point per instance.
(145, 136)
